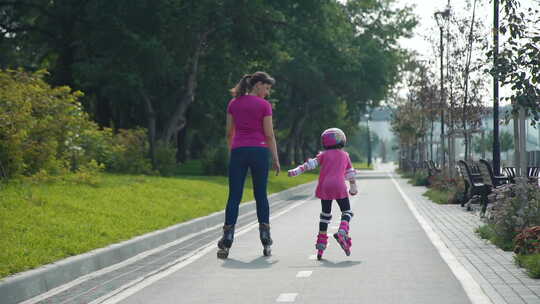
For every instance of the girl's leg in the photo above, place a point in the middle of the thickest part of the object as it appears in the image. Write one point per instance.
(342, 236)
(326, 215)
(345, 207)
(237, 175)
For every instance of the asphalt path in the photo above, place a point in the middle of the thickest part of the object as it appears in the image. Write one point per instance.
(392, 260)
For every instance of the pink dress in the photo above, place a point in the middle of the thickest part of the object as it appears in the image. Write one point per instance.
(334, 163)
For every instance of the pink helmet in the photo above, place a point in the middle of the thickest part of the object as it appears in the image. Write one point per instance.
(333, 137)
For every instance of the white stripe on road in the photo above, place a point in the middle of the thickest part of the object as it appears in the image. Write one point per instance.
(164, 271)
(304, 274)
(312, 257)
(286, 297)
(471, 287)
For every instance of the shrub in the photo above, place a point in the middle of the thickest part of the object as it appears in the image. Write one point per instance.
(529, 262)
(216, 160)
(528, 241)
(165, 159)
(420, 179)
(129, 151)
(516, 206)
(40, 126)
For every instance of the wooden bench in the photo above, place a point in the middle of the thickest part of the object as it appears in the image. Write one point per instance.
(474, 183)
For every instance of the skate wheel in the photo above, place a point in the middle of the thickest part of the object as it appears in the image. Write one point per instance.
(222, 254)
(267, 252)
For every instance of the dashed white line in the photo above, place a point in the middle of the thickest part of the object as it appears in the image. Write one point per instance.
(304, 274)
(312, 257)
(287, 297)
(134, 286)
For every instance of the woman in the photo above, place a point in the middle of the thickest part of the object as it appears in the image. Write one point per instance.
(250, 136)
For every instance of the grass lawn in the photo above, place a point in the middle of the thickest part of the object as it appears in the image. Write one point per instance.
(44, 222)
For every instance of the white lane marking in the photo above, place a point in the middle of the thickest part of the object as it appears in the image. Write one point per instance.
(164, 271)
(304, 274)
(312, 257)
(286, 297)
(471, 287)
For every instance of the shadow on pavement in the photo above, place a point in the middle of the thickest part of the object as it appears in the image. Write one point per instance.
(258, 263)
(342, 264)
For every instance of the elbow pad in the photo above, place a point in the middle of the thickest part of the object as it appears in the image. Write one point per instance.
(311, 163)
(350, 174)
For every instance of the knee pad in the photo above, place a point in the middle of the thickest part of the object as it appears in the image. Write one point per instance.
(325, 217)
(347, 215)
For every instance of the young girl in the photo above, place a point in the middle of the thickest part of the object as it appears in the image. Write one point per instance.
(336, 167)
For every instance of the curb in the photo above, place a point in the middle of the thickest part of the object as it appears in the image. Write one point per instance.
(26, 285)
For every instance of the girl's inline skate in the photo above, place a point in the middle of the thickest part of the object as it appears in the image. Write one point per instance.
(343, 238)
(322, 241)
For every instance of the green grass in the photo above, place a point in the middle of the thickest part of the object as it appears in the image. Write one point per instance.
(529, 262)
(438, 196)
(44, 222)
(488, 232)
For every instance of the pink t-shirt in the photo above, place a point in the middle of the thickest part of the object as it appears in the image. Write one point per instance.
(248, 112)
(334, 163)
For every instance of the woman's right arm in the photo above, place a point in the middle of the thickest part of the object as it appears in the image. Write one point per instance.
(271, 140)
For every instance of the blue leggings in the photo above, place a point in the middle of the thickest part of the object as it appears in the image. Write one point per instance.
(256, 159)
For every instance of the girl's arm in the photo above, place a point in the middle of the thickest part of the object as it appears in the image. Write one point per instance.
(271, 140)
(350, 175)
(310, 164)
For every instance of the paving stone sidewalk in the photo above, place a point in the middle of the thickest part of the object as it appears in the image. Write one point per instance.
(492, 268)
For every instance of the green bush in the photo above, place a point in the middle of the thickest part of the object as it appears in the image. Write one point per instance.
(420, 179)
(129, 153)
(516, 207)
(40, 126)
(489, 232)
(529, 262)
(165, 159)
(215, 161)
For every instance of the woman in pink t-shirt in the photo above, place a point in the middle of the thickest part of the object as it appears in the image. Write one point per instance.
(336, 167)
(250, 136)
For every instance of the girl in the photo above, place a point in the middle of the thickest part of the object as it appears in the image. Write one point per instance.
(336, 167)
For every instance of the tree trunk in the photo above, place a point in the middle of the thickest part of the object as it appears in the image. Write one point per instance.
(151, 126)
(178, 120)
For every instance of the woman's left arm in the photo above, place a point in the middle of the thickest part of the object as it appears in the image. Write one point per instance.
(229, 130)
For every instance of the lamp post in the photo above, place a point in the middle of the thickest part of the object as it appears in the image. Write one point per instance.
(368, 141)
(496, 155)
(441, 17)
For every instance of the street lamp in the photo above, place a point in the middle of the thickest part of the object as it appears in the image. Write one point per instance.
(368, 140)
(441, 17)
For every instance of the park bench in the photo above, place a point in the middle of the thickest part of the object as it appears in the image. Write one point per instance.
(496, 180)
(532, 174)
(474, 184)
(431, 168)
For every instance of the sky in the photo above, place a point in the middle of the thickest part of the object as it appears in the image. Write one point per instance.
(424, 10)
